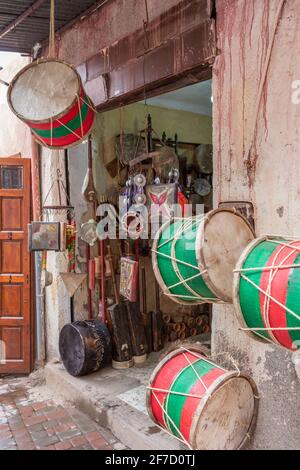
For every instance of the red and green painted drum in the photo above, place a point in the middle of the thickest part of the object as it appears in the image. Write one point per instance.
(200, 403)
(266, 290)
(48, 96)
(193, 258)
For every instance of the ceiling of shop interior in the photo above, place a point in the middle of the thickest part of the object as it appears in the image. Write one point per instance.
(194, 98)
(35, 27)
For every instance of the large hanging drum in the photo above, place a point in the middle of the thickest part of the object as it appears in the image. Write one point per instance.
(48, 96)
(267, 289)
(200, 403)
(85, 347)
(193, 259)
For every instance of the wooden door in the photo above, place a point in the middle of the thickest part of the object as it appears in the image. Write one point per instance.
(15, 311)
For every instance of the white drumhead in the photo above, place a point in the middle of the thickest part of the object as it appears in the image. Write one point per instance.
(226, 234)
(44, 90)
(226, 417)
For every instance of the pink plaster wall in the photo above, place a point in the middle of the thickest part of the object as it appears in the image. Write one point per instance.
(269, 177)
(108, 24)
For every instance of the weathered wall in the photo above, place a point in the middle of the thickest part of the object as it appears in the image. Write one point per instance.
(125, 56)
(107, 25)
(269, 177)
(57, 302)
(15, 137)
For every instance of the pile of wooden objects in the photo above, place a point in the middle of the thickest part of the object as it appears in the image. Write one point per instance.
(182, 326)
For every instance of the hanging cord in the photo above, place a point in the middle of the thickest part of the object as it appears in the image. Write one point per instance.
(263, 80)
(52, 30)
(146, 48)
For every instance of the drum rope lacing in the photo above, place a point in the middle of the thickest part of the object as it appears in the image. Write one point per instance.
(79, 98)
(178, 233)
(186, 225)
(199, 397)
(268, 297)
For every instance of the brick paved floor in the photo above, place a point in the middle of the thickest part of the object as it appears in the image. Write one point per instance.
(29, 424)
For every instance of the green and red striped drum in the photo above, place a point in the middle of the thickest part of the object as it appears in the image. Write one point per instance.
(266, 290)
(48, 96)
(200, 403)
(193, 258)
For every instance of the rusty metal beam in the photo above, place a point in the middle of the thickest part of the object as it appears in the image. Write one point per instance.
(21, 18)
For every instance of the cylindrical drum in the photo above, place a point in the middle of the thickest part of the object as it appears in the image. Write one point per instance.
(202, 404)
(193, 258)
(84, 346)
(48, 96)
(266, 290)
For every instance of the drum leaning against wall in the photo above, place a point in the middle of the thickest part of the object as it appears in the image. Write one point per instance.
(200, 403)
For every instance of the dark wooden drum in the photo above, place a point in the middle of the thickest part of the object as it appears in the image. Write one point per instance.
(85, 347)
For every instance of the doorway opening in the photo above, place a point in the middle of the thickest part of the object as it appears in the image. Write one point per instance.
(176, 128)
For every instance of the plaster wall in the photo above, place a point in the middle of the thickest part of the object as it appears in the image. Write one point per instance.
(15, 137)
(57, 302)
(266, 173)
(105, 26)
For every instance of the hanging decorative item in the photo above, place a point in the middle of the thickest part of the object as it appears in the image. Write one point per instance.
(202, 187)
(161, 197)
(44, 236)
(140, 183)
(132, 220)
(59, 209)
(71, 279)
(204, 158)
(128, 279)
(88, 232)
(164, 160)
(46, 276)
(88, 190)
(49, 97)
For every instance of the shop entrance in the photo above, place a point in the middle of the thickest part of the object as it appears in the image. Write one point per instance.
(175, 130)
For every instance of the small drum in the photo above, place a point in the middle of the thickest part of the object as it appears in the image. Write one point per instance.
(48, 96)
(193, 259)
(200, 403)
(266, 290)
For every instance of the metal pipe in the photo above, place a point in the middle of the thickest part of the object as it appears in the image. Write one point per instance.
(21, 17)
(40, 339)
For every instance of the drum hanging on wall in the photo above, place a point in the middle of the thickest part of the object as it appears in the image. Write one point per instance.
(85, 347)
(48, 96)
(266, 290)
(193, 258)
(200, 403)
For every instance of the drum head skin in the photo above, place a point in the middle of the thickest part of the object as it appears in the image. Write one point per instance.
(226, 417)
(219, 246)
(43, 90)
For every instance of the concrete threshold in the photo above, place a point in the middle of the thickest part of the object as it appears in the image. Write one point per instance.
(116, 400)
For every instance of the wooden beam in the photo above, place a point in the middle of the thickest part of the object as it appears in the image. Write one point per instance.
(21, 18)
